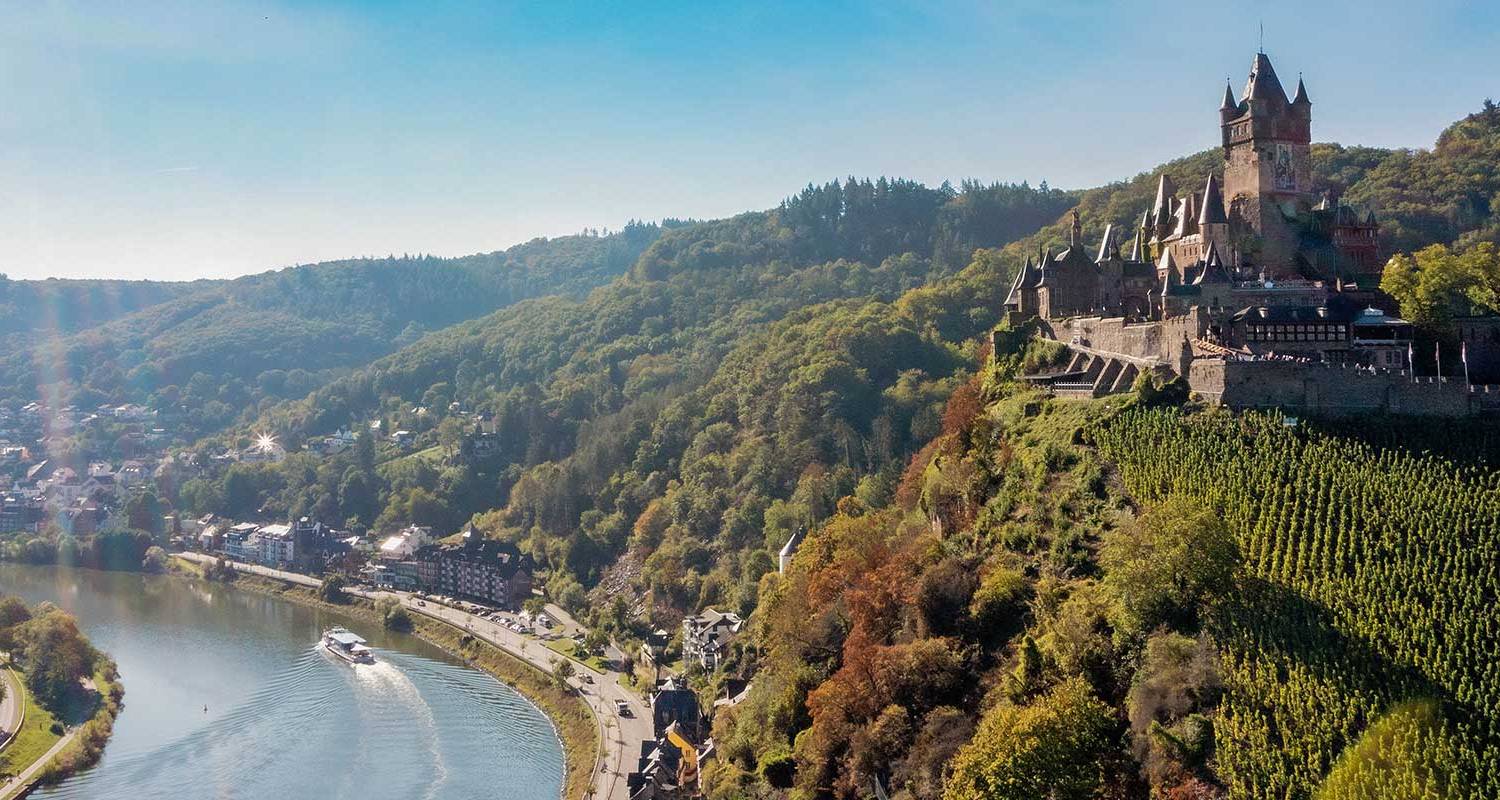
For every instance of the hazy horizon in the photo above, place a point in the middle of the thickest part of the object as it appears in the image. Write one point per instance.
(174, 142)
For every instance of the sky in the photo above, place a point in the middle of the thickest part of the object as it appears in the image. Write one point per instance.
(178, 140)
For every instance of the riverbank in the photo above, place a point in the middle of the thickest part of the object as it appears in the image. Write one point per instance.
(43, 750)
(570, 717)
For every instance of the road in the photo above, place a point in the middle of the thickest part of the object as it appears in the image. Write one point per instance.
(621, 735)
(10, 707)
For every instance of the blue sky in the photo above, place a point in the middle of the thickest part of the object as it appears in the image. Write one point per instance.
(178, 140)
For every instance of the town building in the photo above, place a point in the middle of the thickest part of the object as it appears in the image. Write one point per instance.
(487, 570)
(278, 548)
(675, 703)
(404, 544)
(241, 542)
(706, 638)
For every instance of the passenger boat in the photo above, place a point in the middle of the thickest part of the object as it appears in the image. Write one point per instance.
(348, 646)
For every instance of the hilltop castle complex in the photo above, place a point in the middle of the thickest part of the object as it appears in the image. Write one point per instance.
(1255, 287)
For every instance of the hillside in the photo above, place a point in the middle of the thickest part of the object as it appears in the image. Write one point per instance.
(732, 362)
(1000, 594)
(209, 350)
(66, 306)
(1125, 599)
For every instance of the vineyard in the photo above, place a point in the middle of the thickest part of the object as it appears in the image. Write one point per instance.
(1361, 646)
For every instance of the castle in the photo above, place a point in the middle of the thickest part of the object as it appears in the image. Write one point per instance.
(1254, 287)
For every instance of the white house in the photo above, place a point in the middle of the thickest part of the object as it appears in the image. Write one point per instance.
(405, 544)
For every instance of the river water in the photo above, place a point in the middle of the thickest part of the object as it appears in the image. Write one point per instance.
(227, 695)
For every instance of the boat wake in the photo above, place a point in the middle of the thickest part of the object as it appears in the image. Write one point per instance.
(392, 707)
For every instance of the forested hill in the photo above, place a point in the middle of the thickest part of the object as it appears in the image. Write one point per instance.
(210, 350)
(736, 381)
(66, 306)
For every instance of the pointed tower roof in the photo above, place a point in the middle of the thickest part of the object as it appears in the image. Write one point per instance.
(1107, 243)
(1169, 282)
(1187, 216)
(1229, 102)
(1162, 208)
(1014, 297)
(1137, 250)
(1039, 276)
(1213, 270)
(1212, 210)
(1263, 83)
(1168, 264)
(1300, 98)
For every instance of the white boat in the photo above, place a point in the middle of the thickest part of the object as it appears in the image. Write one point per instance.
(348, 646)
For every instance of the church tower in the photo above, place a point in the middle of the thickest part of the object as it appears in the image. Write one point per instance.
(1267, 166)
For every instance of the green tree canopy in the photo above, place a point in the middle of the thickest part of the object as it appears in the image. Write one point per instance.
(1161, 568)
(1049, 749)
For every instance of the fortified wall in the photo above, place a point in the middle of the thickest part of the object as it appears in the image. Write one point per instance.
(1160, 340)
(1333, 389)
(1324, 389)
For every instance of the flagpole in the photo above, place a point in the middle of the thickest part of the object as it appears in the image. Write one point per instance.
(1463, 355)
(1437, 354)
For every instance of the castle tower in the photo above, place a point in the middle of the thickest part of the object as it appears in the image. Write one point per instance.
(1138, 251)
(1161, 210)
(1267, 165)
(1213, 219)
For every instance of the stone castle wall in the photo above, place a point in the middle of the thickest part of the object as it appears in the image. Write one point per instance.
(1160, 340)
(1327, 389)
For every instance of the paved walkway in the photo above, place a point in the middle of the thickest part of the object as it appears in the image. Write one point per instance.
(621, 735)
(27, 775)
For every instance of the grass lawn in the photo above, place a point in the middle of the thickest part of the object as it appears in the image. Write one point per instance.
(34, 739)
(432, 455)
(570, 648)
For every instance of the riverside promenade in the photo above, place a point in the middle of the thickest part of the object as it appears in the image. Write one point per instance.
(12, 711)
(620, 736)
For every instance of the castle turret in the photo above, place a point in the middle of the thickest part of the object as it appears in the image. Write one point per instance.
(1300, 98)
(1187, 217)
(1013, 300)
(1107, 247)
(1142, 233)
(1230, 108)
(1161, 210)
(1166, 267)
(1213, 219)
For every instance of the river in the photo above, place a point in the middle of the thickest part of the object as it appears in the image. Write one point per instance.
(228, 696)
